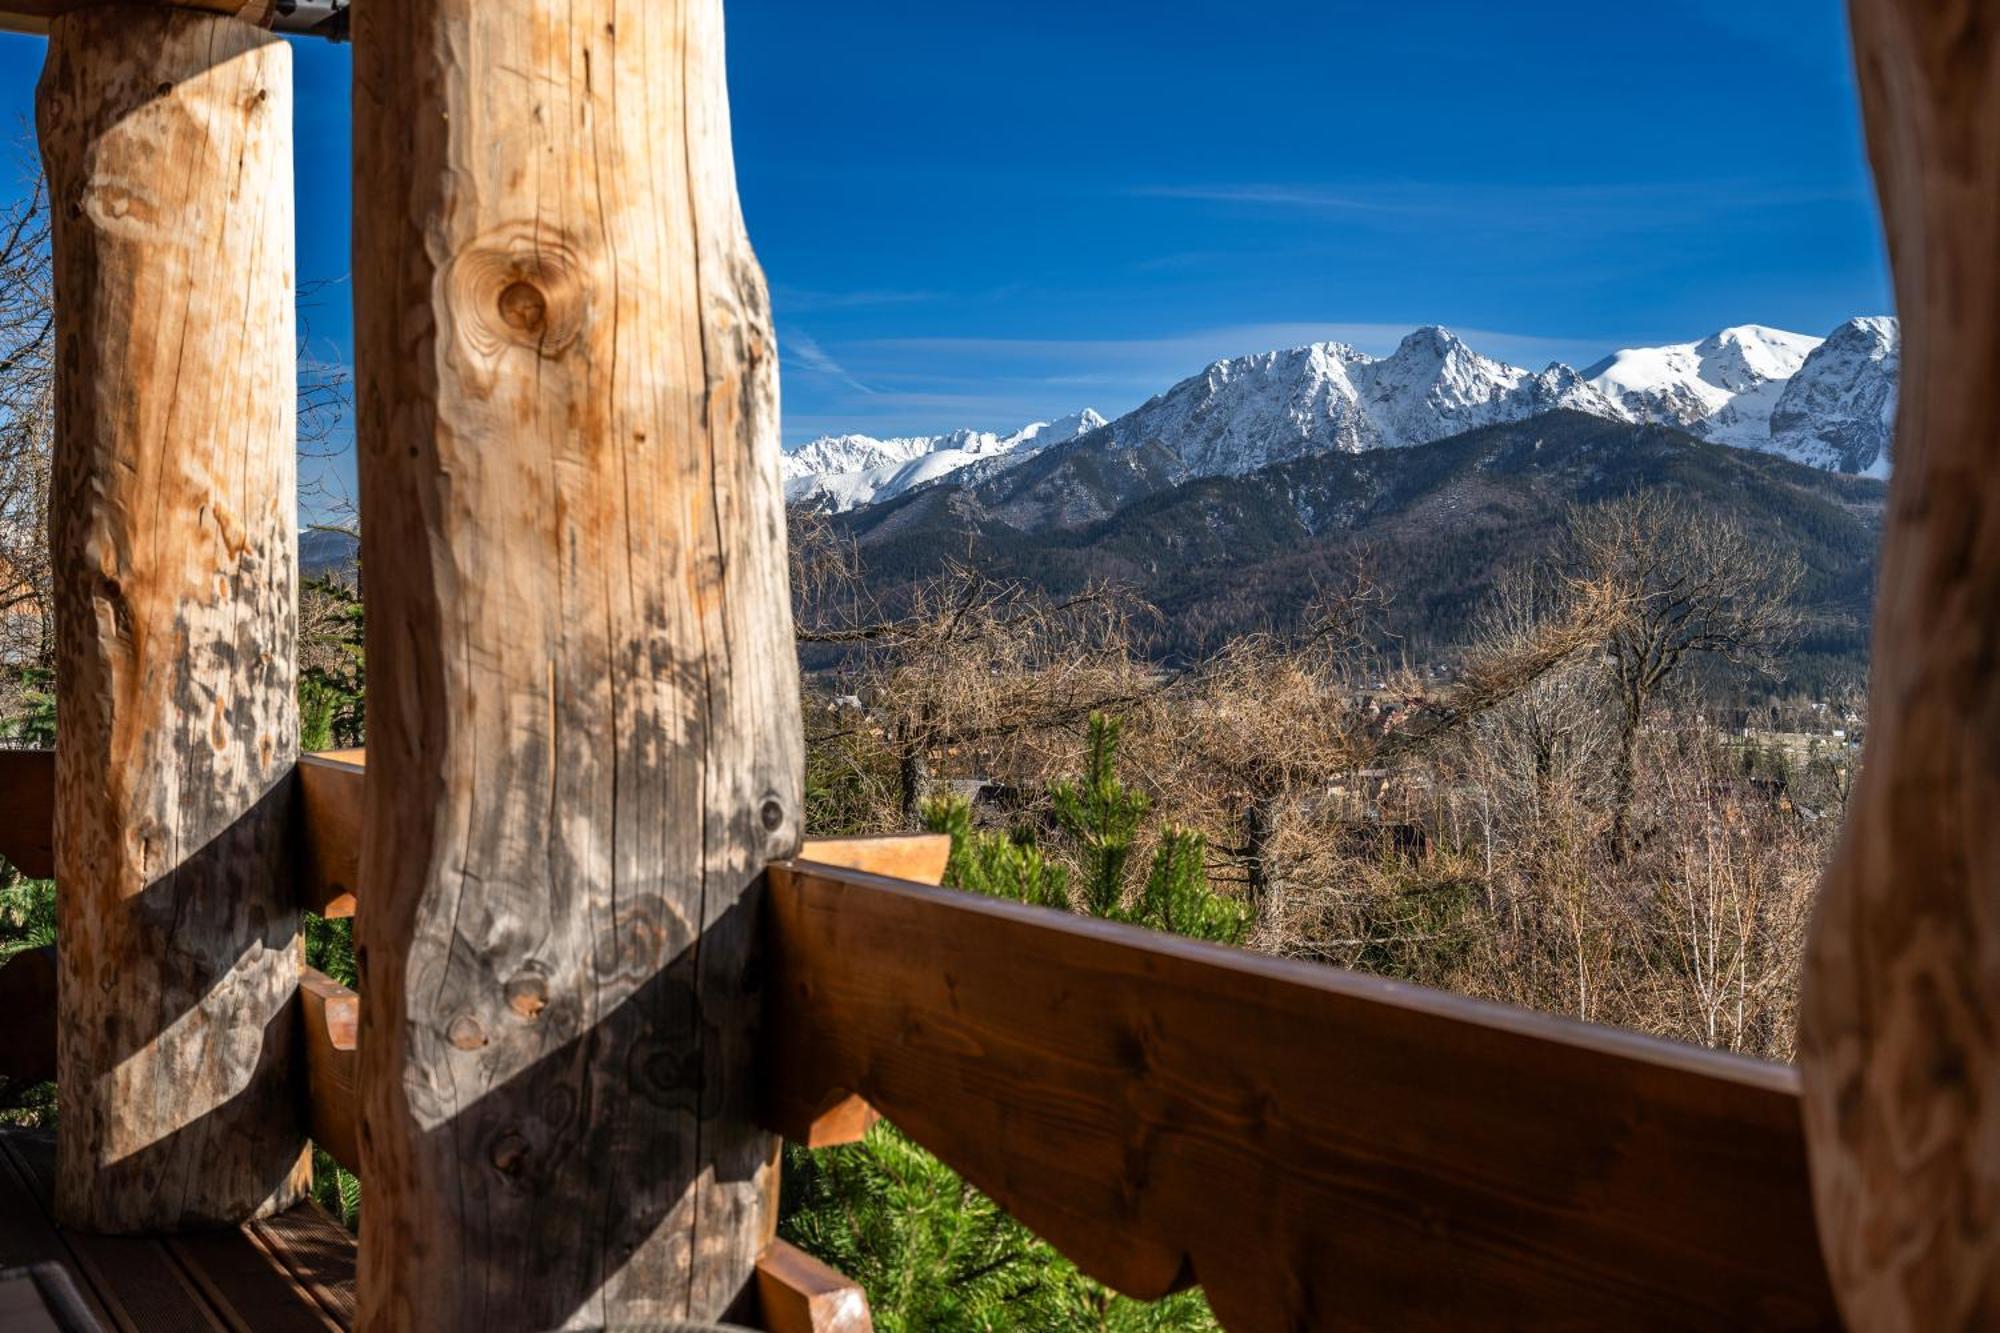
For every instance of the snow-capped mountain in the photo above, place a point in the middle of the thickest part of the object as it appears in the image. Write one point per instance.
(1723, 387)
(840, 472)
(1249, 412)
(1839, 411)
(1829, 403)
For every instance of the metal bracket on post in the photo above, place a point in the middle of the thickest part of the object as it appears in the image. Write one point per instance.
(312, 18)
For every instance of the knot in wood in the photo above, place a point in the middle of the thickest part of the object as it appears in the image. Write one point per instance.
(518, 287)
(528, 995)
(466, 1033)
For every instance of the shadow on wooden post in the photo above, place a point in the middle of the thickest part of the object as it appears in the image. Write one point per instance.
(167, 136)
(584, 738)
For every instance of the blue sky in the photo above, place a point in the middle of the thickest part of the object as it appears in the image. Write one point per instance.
(980, 213)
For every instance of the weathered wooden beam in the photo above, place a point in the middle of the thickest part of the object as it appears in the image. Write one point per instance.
(1899, 1044)
(328, 875)
(919, 858)
(167, 137)
(329, 1035)
(28, 811)
(583, 718)
(319, 18)
(1318, 1149)
(28, 1016)
(329, 835)
(796, 1293)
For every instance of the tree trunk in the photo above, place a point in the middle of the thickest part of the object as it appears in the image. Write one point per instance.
(168, 143)
(584, 731)
(1898, 1040)
(1625, 774)
(913, 779)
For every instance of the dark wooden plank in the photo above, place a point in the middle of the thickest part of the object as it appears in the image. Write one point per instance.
(28, 811)
(28, 1236)
(28, 1016)
(319, 1254)
(249, 1288)
(330, 1018)
(1318, 1149)
(329, 845)
(139, 1284)
(293, 1273)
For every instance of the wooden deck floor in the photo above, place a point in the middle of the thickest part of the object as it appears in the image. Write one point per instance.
(291, 1274)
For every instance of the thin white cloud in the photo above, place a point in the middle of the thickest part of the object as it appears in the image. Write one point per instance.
(806, 353)
(1600, 206)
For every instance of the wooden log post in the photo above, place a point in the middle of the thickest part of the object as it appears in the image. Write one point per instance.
(168, 143)
(1900, 1016)
(584, 734)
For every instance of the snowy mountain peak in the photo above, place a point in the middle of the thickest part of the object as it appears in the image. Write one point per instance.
(1741, 358)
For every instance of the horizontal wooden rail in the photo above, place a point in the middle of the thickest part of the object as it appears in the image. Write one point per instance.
(28, 811)
(1318, 1149)
(28, 1016)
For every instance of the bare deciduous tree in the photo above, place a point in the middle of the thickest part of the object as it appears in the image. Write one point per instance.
(27, 437)
(1686, 584)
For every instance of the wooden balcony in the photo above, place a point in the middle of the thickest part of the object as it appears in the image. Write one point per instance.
(1312, 1146)
(603, 971)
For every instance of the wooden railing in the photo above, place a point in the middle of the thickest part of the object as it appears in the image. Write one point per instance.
(1315, 1148)
(599, 976)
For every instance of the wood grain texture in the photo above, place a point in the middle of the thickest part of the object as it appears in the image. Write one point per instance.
(584, 733)
(328, 872)
(329, 1036)
(28, 811)
(919, 858)
(1318, 1149)
(796, 1293)
(331, 787)
(289, 1273)
(28, 1016)
(167, 137)
(1898, 1044)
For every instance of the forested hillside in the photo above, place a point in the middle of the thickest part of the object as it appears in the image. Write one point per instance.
(1435, 526)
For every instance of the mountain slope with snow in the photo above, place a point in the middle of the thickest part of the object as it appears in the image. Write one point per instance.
(1839, 411)
(1249, 412)
(1722, 386)
(840, 472)
(1829, 403)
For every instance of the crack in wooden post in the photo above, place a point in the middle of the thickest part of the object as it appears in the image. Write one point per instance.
(167, 136)
(584, 738)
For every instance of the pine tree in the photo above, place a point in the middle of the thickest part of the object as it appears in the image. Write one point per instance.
(931, 1251)
(1102, 816)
